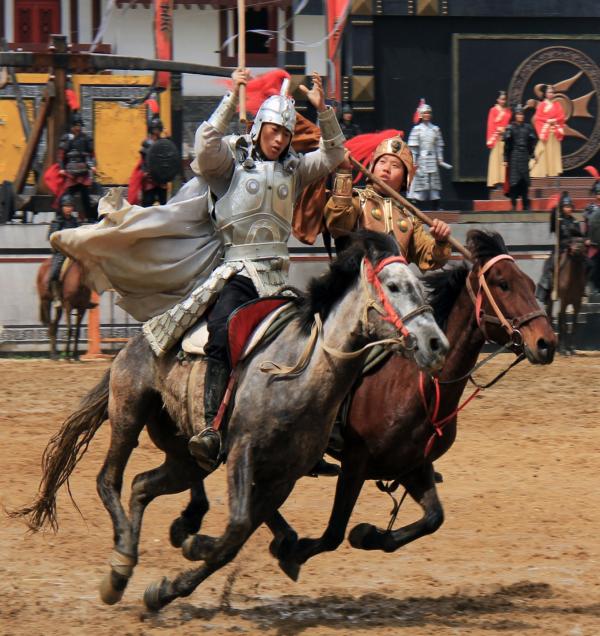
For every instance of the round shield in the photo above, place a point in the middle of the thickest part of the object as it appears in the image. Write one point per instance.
(163, 160)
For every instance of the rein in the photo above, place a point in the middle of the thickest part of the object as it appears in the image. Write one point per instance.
(516, 345)
(369, 275)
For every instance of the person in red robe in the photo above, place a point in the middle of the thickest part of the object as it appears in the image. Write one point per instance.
(549, 122)
(499, 117)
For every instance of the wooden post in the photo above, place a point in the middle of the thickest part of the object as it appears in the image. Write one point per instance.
(241, 9)
(58, 117)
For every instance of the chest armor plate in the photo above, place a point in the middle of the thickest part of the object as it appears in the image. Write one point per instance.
(258, 206)
(382, 215)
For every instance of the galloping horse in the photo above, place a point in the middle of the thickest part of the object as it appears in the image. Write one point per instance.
(75, 296)
(572, 275)
(393, 432)
(279, 424)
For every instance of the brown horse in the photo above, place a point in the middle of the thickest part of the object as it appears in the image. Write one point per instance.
(572, 274)
(396, 439)
(75, 296)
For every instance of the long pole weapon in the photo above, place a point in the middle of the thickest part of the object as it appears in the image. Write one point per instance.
(556, 263)
(457, 245)
(241, 9)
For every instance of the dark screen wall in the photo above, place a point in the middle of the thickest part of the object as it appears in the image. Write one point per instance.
(413, 59)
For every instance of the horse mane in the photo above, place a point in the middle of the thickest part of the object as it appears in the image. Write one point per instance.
(445, 285)
(325, 291)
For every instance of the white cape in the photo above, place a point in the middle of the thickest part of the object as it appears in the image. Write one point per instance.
(153, 257)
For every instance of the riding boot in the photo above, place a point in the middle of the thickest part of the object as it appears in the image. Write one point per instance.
(206, 445)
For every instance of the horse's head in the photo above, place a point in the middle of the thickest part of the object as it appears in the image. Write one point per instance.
(394, 301)
(505, 304)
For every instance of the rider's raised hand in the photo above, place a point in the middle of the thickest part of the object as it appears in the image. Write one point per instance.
(315, 95)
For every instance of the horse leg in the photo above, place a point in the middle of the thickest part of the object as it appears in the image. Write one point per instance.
(53, 331)
(80, 314)
(249, 506)
(175, 475)
(574, 316)
(420, 485)
(128, 417)
(69, 319)
(562, 329)
(189, 521)
(348, 487)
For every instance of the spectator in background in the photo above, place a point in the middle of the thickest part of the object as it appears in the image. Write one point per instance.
(519, 145)
(349, 128)
(498, 119)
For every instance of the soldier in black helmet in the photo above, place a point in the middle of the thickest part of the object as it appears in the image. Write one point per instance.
(591, 217)
(519, 146)
(152, 190)
(568, 228)
(65, 218)
(349, 128)
(78, 164)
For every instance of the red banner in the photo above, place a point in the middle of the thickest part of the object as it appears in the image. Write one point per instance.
(337, 12)
(163, 38)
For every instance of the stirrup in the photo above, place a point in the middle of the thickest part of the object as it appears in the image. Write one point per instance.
(205, 448)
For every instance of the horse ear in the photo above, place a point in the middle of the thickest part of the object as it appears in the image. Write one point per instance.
(379, 246)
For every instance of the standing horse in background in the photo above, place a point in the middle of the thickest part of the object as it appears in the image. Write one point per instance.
(396, 428)
(280, 421)
(572, 275)
(75, 296)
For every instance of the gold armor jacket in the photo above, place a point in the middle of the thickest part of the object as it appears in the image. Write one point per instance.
(365, 208)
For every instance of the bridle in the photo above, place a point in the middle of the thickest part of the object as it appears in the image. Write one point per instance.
(511, 327)
(381, 303)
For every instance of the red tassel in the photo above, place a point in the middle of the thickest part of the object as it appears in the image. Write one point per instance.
(153, 106)
(362, 147)
(261, 87)
(592, 171)
(72, 99)
(417, 116)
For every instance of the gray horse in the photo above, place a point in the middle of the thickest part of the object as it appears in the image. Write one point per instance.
(279, 424)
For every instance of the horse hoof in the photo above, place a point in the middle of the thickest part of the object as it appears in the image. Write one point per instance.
(197, 546)
(290, 569)
(154, 595)
(360, 536)
(179, 531)
(108, 593)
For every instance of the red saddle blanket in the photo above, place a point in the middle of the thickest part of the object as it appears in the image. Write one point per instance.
(245, 319)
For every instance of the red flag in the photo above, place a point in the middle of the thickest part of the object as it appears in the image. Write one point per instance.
(153, 106)
(593, 171)
(163, 38)
(337, 13)
(72, 99)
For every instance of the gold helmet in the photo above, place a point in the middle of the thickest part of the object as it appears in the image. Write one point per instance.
(397, 147)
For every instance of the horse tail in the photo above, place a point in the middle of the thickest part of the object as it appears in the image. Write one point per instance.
(63, 452)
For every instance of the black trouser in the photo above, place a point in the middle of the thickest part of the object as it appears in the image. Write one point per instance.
(84, 192)
(519, 189)
(155, 194)
(57, 262)
(237, 291)
(594, 271)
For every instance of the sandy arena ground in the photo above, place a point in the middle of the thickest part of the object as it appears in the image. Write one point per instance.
(518, 554)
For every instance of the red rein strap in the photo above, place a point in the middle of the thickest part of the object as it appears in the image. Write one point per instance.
(390, 313)
(438, 425)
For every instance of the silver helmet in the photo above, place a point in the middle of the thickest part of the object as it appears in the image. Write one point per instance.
(277, 109)
(424, 108)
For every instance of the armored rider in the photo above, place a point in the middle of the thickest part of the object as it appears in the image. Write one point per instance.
(77, 163)
(351, 208)
(427, 145)
(65, 218)
(568, 228)
(152, 190)
(253, 182)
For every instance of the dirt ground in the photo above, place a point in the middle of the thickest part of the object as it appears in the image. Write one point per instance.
(518, 553)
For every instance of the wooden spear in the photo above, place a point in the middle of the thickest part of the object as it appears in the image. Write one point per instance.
(241, 9)
(457, 245)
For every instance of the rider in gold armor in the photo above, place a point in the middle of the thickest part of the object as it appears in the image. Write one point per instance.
(350, 209)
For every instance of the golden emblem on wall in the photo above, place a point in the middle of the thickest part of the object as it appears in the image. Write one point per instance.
(575, 102)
